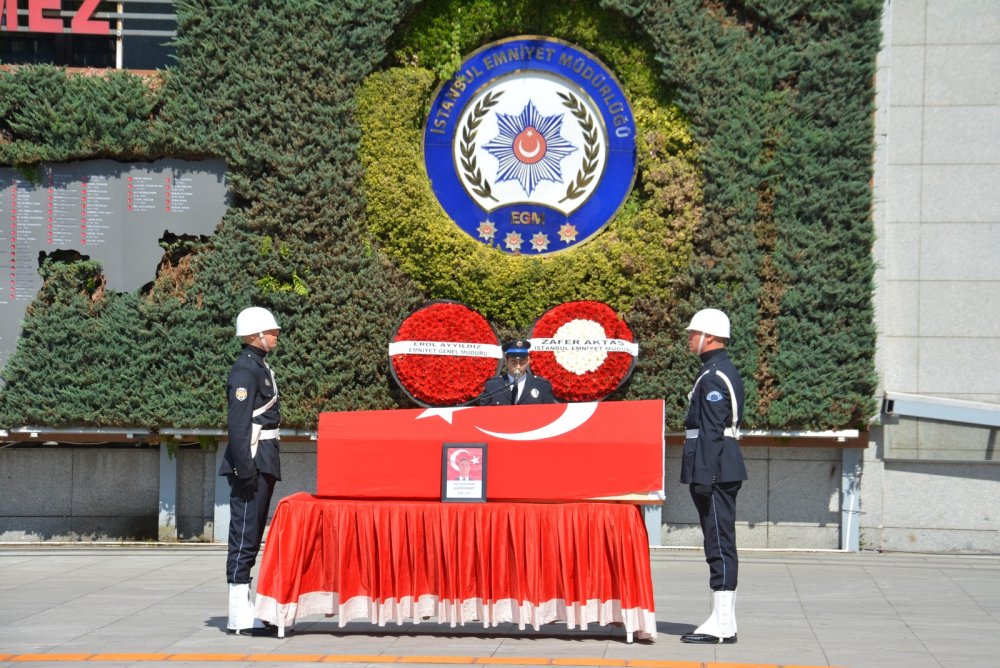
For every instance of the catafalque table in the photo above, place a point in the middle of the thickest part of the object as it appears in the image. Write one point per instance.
(457, 563)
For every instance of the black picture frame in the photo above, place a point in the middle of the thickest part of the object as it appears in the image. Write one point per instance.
(454, 457)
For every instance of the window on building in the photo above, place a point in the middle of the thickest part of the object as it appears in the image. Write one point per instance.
(131, 34)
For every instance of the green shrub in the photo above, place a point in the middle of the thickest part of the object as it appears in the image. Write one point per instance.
(752, 195)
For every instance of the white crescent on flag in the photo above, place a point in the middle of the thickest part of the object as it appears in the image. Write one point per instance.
(571, 418)
(454, 457)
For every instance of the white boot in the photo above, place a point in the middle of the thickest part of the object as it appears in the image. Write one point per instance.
(711, 625)
(720, 627)
(725, 606)
(240, 608)
(733, 608)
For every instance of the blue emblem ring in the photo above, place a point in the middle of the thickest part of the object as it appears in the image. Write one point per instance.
(530, 147)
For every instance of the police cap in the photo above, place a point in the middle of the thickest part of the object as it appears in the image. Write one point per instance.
(517, 348)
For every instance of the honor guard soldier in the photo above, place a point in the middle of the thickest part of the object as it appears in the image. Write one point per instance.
(251, 461)
(712, 465)
(518, 385)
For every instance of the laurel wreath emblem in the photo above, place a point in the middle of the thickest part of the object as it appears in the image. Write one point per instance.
(591, 148)
(467, 147)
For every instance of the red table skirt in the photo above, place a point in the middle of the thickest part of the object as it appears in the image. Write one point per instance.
(458, 563)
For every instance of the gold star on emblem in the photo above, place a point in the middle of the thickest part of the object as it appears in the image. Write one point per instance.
(486, 230)
(513, 241)
(567, 233)
(539, 241)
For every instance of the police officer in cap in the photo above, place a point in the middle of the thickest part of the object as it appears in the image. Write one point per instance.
(251, 462)
(712, 465)
(517, 385)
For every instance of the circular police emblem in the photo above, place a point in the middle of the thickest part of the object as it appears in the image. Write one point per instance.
(530, 148)
(241, 393)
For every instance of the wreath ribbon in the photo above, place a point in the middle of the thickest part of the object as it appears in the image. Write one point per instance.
(574, 345)
(445, 348)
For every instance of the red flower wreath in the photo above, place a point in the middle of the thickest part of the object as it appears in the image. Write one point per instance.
(444, 379)
(582, 375)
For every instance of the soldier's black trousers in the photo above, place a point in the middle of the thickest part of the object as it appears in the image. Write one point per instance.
(247, 520)
(718, 526)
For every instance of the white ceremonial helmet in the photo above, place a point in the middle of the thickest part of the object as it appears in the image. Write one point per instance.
(710, 321)
(254, 320)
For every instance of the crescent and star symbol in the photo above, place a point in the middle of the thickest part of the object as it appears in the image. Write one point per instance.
(456, 453)
(521, 142)
(572, 417)
(529, 148)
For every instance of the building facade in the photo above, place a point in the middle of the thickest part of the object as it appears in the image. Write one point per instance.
(925, 478)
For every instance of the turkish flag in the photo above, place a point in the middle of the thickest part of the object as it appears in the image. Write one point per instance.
(555, 452)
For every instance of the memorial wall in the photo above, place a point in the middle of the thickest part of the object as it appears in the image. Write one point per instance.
(112, 212)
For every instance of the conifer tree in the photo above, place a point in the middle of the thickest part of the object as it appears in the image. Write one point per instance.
(752, 195)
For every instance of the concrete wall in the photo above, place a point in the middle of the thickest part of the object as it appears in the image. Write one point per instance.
(932, 485)
(101, 493)
(792, 500)
(52, 493)
(925, 485)
(937, 189)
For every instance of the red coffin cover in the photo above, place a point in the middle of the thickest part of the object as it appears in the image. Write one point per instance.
(553, 452)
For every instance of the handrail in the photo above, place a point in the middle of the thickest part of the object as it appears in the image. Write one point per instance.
(939, 408)
(89, 434)
(96, 435)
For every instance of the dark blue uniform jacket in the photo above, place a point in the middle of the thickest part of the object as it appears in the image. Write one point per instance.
(536, 390)
(713, 456)
(251, 385)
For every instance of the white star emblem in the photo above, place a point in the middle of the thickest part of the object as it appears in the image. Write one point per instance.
(513, 241)
(539, 241)
(486, 230)
(567, 233)
(444, 413)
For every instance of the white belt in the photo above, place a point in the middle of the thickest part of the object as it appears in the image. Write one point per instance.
(269, 435)
(731, 432)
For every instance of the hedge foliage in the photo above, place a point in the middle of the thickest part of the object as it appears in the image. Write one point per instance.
(638, 255)
(752, 195)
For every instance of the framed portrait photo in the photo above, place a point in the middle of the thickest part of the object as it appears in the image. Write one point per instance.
(463, 472)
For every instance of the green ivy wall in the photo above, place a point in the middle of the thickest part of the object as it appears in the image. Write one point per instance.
(752, 195)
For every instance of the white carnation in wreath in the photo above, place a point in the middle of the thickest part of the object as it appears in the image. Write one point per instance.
(581, 361)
